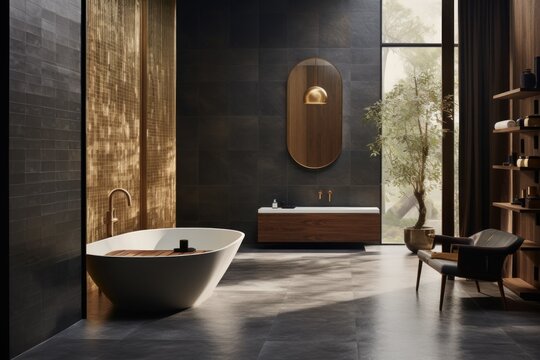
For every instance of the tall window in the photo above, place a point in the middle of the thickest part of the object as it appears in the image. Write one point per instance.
(412, 43)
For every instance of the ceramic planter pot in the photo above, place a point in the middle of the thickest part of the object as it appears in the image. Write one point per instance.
(419, 239)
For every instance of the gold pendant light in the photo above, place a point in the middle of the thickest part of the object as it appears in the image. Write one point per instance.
(315, 95)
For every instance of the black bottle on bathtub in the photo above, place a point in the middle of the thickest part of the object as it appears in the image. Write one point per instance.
(184, 247)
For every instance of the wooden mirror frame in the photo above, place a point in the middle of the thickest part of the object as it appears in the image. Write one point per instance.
(314, 131)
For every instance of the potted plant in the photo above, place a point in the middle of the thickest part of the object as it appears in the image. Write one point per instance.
(409, 123)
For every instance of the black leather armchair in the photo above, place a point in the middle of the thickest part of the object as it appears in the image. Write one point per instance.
(480, 257)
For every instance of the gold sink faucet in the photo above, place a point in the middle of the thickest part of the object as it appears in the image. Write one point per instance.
(330, 195)
(111, 213)
(320, 194)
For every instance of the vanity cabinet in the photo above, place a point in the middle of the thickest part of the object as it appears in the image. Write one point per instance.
(319, 225)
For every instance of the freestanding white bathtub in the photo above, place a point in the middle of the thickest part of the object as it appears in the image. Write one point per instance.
(162, 283)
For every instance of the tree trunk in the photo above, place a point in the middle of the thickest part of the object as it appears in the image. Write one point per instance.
(419, 195)
(402, 206)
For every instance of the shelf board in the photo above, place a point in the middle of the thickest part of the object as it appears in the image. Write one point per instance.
(529, 245)
(515, 208)
(523, 289)
(518, 93)
(516, 129)
(513, 167)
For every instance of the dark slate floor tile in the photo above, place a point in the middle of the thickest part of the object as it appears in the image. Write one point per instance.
(313, 304)
(186, 350)
(105, 330)
(313, 350)
(60, 348)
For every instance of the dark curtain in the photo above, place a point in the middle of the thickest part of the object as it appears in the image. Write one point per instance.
(483, 72)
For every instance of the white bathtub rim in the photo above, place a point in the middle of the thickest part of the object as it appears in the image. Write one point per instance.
(239, 239)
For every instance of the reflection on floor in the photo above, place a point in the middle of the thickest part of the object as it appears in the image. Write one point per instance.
(315, 305)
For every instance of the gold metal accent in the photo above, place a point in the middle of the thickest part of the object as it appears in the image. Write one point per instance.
(320, 194)
(330, 195)
(315, 95)
(111, 213)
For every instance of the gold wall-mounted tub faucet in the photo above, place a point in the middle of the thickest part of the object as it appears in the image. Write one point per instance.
(111, 213)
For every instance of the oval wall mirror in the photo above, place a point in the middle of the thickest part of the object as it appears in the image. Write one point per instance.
(314, 112)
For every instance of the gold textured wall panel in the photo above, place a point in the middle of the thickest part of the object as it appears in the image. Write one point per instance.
(161, 114)
(113, 113)
(131, 115)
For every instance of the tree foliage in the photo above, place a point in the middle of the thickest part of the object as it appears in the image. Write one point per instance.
(400, 23)
(409, 120)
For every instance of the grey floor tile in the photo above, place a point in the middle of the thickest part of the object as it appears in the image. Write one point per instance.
(313, 324)
(415, 350)
(186, 350)
(315, 304)
(108, 330)
(391, 349)
(487, 351)
(292, 350)
(226, 327)
(60, 349)
(305, 300)
(258, 303)
(250, 284)
(526, 337)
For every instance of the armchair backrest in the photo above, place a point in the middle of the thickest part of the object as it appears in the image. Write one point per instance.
(498, 239)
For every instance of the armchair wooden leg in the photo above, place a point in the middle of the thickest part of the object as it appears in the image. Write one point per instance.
(443, 285)
(419, 273)
(501, 289)
(477, 285)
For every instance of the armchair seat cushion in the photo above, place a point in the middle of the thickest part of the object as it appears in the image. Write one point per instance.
(446, 267)
(424, 255)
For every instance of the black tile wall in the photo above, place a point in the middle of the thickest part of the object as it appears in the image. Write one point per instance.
(234, 58)
(44, 169)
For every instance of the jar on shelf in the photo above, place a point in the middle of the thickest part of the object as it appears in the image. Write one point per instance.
(528, 79)
(537, 70)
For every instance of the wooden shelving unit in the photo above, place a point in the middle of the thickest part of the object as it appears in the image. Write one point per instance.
(514, 168)
(516, 94)
(515, 208)
(522, 271)
(522, 288)
(516, 129)
(529, 245)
